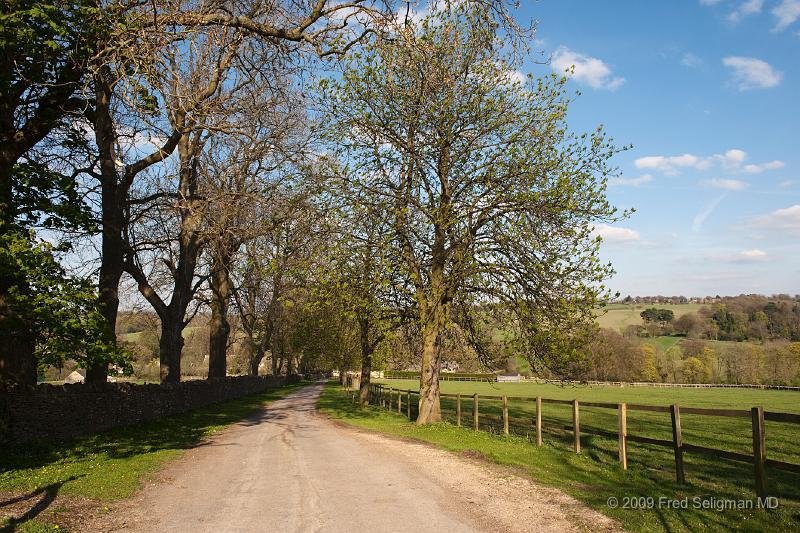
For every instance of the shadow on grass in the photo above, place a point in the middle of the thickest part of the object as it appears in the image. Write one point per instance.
(48, 496)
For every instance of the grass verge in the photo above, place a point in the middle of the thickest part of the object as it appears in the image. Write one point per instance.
(110, 465)
(588, 477)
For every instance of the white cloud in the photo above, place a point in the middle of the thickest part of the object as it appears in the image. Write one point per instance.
(669, 164)
(753, 255)
(645, 178)
(751, 73)
(787, 12)
(691, 60)
(732, 161)
(589, 70)
(732, 158)
(611, 234)
(786, 184)
(700, 218)
(757, 169)
(727, 184)
(783, 220)
(750, 7)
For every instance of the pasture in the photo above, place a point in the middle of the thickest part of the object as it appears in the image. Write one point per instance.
(620, 316)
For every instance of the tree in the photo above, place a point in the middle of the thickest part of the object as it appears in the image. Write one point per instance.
(491, 200)
(661, 316)
(695, 371)
(56, 314)
(649, 371)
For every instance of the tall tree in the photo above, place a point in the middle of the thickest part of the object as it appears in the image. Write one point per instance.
(493, 200)
(46, 49)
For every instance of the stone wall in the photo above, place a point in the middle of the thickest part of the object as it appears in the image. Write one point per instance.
(47, 412)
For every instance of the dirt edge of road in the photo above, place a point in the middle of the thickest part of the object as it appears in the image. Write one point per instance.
(500, 497)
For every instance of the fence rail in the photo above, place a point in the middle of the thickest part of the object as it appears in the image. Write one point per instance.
(392, 398)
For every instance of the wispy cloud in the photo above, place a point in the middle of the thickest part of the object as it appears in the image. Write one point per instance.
(635, 182)
(585, 69)
(700, 218)
(670, 164)
(781, 220)
(691, 60)
(787, 12)
(727, 184)
(732, 161)
(750, 7)
(750, 73)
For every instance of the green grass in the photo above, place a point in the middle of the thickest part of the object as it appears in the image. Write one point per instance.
(619, 316)
(594, 475)
(110, 465)
(771, 400)
(664, 343)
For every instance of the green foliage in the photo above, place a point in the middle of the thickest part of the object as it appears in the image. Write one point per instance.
(649, 371)
(61, 314)
(490, 199)
(46, 47)
(661, 316)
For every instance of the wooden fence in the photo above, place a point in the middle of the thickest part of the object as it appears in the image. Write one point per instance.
(401, 400)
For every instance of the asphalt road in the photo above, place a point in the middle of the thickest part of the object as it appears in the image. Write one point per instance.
(290, 469)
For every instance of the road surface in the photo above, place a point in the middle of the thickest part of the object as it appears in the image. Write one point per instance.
(290, 469)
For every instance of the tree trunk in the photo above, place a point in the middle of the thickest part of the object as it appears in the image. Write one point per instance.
(169, 349)
(434, 321)
(366, 362)
(17, 363)
(219, 327)
(111, 216)
(429, 405)
(253, 361)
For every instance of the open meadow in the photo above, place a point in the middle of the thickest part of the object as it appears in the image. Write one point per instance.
(619, 316)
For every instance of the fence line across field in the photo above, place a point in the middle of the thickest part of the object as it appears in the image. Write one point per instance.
(392, 398)
(493, 378)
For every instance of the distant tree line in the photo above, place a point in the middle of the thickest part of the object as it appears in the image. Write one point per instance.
(740, 318)
(610, 356)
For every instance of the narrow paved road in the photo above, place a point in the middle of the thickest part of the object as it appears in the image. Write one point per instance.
(289, 469)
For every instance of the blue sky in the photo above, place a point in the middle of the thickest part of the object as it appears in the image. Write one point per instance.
(707, 92)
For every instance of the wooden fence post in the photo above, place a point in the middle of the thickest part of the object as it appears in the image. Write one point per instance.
(408, 404)
(576, 422)
(622, 411)
(538, 420)
(475, 410)
(458, 410)
(677, 442)
(399, 402)
(759, 451)
(505, 415)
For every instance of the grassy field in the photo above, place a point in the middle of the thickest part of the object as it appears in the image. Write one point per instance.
(619, 316)
(595, 475)
(110, 465)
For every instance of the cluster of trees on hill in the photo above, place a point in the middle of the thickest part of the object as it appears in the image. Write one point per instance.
(612, 357)
(740, 318)
(420, 198)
